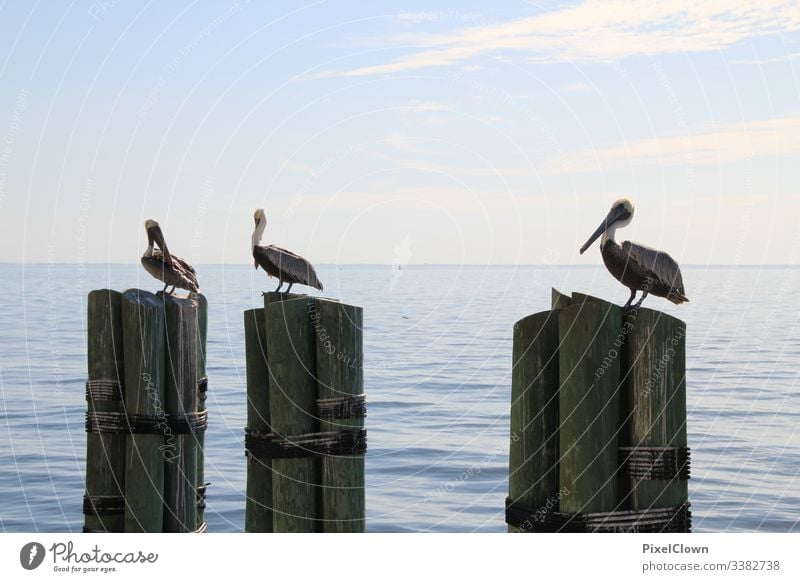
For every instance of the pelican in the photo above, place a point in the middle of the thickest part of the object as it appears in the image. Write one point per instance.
(277, 262)
(165, 266)
(636, 266)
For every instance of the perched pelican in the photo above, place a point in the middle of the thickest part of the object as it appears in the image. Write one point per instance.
(636, 266)
(277, 262)
(163, 265)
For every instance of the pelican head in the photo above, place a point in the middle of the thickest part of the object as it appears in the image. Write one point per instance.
(620, 215)
(260, 218)
(155, 236)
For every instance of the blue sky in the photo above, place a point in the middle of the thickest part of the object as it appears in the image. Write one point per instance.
(441, 132)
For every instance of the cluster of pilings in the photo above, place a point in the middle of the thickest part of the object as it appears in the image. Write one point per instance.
(305, 438)
(146, 412)
(598, 417)
(598, 420)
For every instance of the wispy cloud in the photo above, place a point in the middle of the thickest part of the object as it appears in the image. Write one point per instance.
(719, 144)
(578, 87)
(296, 167)
(491, 119)
(601, 30)
(788, 57)
(417, 106)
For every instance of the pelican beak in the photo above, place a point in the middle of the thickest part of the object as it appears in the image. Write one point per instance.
(150, 240)
(155, 234)
(614, 214)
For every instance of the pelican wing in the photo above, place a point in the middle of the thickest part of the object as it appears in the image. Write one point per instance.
(178, 271)
(660, 264)
(186, 271)
(290, 266)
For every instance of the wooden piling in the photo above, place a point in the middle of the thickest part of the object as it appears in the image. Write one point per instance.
(656, 355)
(620, 425)
(558, 300)
(340, 373)
(143, 332)
(202, 395)
(258, 505)
(589, 364)
(180, 450)
(533, 449)
(292, 402)
(105, 451)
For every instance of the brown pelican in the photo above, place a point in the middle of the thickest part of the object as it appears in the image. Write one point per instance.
(636, 266)
(165, 266)
(277, 262)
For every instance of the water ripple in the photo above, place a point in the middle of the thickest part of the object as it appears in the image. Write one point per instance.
(437, 373)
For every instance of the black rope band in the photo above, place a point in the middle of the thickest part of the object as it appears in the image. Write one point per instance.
(202, 528)
(271, 446)
(119, 422)
(655, 462)
(202, 389)
(103, 390)
(677, 519)
(201, 496)
(350, 406)
(101, 505)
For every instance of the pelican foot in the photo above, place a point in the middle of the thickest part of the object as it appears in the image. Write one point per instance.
(630, 309)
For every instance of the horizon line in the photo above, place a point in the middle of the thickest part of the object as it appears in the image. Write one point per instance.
(580, 265)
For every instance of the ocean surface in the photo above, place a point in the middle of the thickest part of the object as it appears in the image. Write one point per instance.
(437, 375)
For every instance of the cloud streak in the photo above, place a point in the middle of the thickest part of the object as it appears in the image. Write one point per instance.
(715, 144)
(722, 143)
(601, 31)
(417, 106)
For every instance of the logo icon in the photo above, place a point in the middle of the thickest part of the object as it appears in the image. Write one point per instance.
(31, 555)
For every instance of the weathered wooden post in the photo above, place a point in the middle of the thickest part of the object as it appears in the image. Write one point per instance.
(620, 438)
(258, 508)
(143, 419)
(202, 395)
(341, 406)
(143, 333)
(533, 449)
(655, 458)
(305, 438)
(104, 502)
(292, 402)
(589, 364)
(179, 450)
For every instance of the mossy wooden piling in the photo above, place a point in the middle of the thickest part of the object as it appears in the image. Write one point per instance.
(180, 450)
(340, 373)
(143, 330)
(258, 505)
(105, 451)
(533, 449)
(656, 354)
(589, 404)
(202, 395)
(292, 404)
(142, 418)
(305, 439)
(617, 445)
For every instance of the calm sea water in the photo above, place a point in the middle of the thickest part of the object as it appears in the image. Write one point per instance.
(437, 374)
